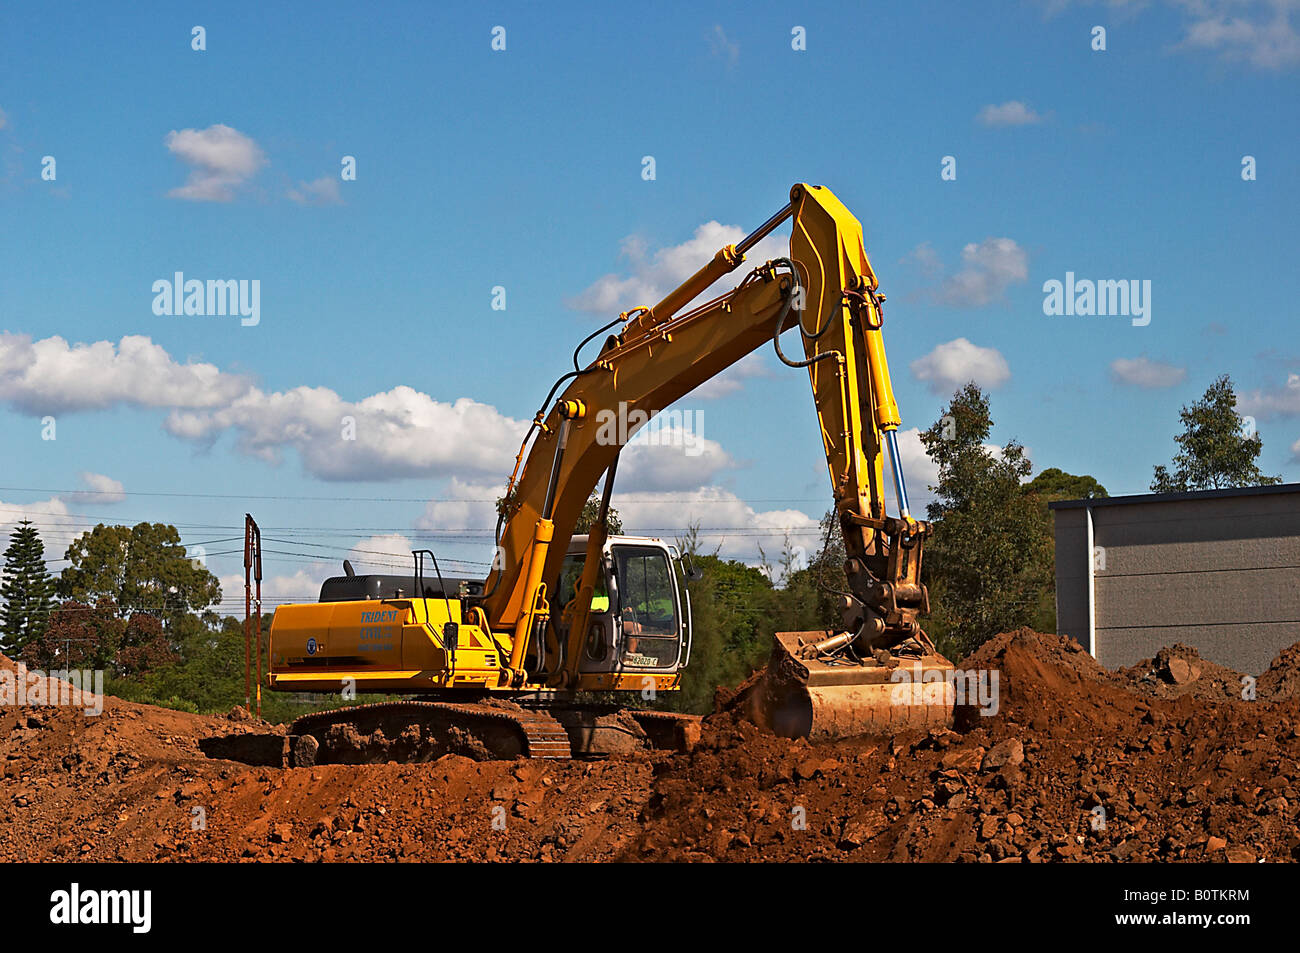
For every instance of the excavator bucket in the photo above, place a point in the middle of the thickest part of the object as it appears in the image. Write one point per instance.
(806, 694)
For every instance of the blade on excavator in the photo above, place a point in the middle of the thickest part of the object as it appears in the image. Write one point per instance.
(826, 697)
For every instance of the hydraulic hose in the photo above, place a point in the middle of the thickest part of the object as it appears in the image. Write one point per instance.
(796, 289)
(577, 371)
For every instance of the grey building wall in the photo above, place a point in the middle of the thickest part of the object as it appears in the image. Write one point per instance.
(1218, 570)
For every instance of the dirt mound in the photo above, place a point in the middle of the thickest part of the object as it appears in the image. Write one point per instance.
(1282, 680)
(1072, 765)
(1048, 683)
(133, 784)
(1179, 670)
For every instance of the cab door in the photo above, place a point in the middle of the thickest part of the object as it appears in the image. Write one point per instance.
(647, 621)
(598, 644)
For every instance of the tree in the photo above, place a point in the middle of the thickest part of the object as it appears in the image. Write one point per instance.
(28, 589)
(1214, 449)
(591, 511)
(811, 598)
(733, 619)
(1055, 484)
(1049, 486)
(586, 519)
(140, 567)
(99, 637)
(990, 559)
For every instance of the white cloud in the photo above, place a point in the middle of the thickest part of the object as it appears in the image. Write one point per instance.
(57, 526)
(652, 464)
(988, 269)
(51, 376)
(927, 260)
(398, 433)
(672, 456)
(722, 47)
(52, 521)
(99, 489)
(1295, 451)
(1011, 113)
(1145, 373)
(322, 191)
(302, 585)
(919, 470)
(1261, 33)
(652, 276)
(1282, 401)
(951, 365)
(664, 457)
(222, 158)
(725, 521)
(463, 505)
(401, 432)
(385, 553)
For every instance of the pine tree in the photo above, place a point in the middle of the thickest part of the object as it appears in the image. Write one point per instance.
(27, 589)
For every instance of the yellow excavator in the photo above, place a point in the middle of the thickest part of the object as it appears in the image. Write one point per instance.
(507, 666)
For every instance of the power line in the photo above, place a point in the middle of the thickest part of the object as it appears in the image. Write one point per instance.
(664, 498)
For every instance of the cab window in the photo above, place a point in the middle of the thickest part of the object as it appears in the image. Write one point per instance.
(646, 594)
(571, 578)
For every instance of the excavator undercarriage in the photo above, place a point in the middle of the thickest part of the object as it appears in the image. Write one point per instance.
(493, 729)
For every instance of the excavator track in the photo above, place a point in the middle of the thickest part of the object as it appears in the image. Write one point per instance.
(426, 730)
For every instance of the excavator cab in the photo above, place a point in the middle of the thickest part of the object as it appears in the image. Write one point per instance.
(640, 607)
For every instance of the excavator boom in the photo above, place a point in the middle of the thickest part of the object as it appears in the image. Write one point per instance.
(828, 289)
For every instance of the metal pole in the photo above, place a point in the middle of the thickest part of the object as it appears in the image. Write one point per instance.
(606, 492)
(561, 441)
(248, 608)
(257, 605)
(765, 229)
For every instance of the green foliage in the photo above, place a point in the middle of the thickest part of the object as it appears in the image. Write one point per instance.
(733, 615)
(206, 674)
(990, 560)
(209, 666)
(28, 589)
(1214, 451)
(137, 568)
(591, 512)
(1049, 486)
(811, 596)
(1055, 484)
(586, 519)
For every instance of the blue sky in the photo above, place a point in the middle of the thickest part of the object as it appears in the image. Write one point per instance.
(522, 168)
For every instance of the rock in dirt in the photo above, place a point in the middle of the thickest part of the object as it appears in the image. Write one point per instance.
(1010, 751)
(1179, 670)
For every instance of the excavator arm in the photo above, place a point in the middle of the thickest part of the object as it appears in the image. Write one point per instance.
(827, 288)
